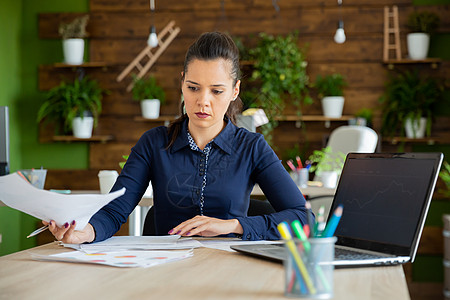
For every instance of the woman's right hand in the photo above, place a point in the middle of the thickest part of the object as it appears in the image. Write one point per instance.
(68, 234)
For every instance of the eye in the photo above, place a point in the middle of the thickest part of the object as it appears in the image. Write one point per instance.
(193, 88)
(217, 92)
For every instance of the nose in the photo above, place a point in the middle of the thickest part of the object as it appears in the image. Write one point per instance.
(203, 99)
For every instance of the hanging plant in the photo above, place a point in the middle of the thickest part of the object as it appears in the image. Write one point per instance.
(280, 72)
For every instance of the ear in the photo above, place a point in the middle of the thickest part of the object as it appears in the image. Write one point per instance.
(181, 81)
(236, 89)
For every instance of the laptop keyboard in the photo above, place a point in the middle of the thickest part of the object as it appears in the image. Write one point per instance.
(346, 254)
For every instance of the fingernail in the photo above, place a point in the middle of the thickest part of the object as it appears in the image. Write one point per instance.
(73, 222)
(178, 232)
(189, 233)
(51, 223)
(66, 225)
(170, 231)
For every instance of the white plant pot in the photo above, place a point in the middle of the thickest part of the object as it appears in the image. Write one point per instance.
(329, 178)
(150, 108)
(418, 44)
(82, 127)
(73, 50)
(332, 106)
(415, 129)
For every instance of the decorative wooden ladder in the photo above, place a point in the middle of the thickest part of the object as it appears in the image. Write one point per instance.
(165, 37)
(391, 27)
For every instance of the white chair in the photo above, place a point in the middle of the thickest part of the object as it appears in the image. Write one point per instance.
(346, 139)
(353, 138)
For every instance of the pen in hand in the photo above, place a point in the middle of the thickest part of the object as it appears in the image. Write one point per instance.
(37, 231)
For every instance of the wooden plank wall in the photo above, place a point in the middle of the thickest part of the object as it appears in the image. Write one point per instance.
(118, 30)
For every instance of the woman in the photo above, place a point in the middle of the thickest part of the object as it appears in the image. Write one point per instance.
(202, 168)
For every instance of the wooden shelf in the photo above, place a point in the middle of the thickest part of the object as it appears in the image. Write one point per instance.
(92, 64)
(288, 118)
(432, 61)
(428, 141)
(160, 119)
(313, 118)
(94, 138)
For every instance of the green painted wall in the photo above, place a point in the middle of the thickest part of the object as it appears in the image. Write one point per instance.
(34, 52)
(10, 27)
(21, 52)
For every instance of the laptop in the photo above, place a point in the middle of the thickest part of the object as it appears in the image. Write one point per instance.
(386, 197)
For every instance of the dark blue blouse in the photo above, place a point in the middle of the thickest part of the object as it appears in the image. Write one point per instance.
(238, 159)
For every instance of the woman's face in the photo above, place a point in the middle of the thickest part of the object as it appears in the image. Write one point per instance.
(208, 90)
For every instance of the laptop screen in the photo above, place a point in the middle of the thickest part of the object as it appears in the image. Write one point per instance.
(385, 198)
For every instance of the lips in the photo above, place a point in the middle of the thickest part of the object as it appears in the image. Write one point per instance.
(202, 115)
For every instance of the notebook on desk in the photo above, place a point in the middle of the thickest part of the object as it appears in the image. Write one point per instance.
(386, 198)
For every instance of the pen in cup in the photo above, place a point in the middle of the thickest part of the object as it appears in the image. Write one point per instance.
(283, 228)
(290, 163)
(37, 231)
(299, 163)
(333, 222)
(310, 219)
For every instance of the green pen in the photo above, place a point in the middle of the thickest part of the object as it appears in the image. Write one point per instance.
(298, 230)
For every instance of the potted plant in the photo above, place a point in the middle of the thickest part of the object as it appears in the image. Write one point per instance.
(363, 117)
(73, 35)
(331, 90)
(327, 166)
(150, 95)
(408, 104)
(421, 25)
(76, 105)
(280, 75)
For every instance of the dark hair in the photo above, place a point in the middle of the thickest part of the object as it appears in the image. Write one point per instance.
(210, 46)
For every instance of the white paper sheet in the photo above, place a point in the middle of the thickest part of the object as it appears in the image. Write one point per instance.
(17, 193)
(128, 259)
(125, 243)
(226, 244)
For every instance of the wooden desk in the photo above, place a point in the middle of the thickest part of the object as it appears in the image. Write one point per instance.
(209, 274)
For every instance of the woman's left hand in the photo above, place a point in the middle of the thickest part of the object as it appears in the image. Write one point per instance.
(207, 226)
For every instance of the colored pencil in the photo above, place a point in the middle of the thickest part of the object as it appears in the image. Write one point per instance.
(333, 223)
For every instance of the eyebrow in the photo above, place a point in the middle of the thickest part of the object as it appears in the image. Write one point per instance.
(213, 85)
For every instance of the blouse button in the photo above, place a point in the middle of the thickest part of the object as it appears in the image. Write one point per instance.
(248, 236)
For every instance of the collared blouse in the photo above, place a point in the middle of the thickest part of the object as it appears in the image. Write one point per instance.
(182, 174)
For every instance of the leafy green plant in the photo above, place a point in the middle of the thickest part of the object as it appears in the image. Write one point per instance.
(365, 113)
(243, 50)
(69, 100)
(444, 174)
(407, 96)
(280, 73)
(423, 21)
(122, 163)
(330, 85)
(74, 29)
(326, 160)
(147, 88)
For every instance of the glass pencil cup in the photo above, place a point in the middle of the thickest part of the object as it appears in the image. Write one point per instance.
(302, 177)
(309, 268)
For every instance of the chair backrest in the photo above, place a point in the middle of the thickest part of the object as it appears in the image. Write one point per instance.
(353, 138)
(350, 138)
